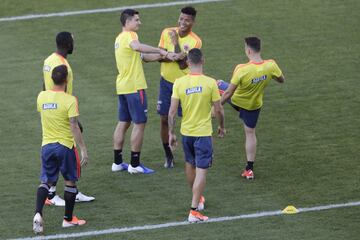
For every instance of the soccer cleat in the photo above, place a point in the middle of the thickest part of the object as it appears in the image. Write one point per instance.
(201, 205)
(38, 227)
(196, 216)
(119, 167)
(248, 174)
(80, 197)
(222, 85)
(139, 169)
(74, 222)
(55, 201)
(169, 163)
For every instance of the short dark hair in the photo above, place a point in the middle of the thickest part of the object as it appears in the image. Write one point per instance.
(63, 40)
(59, 74)
(254, 43)
(195, 56)
(126, 14)
(189, 11)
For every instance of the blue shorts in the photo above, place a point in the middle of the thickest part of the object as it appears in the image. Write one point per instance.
(56, 157)
(164, 100)
(249, 117)
(198, 151)
(133, 107)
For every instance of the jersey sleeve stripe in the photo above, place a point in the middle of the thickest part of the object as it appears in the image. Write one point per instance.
(133, 36)
(77, 105)
(197, 39)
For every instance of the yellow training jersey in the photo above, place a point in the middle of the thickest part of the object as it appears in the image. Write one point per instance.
(50, 63)
(170, 71)
(131, 74)
(196, 94)
(251, 79)
(56, 108)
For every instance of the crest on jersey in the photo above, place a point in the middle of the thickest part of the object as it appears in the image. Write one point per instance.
(186, 47)
(47, 68)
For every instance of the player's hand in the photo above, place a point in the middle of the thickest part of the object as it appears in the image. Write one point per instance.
(163, 53)
(180, 56)
(221, 132)
(174, 37)
(172, 142)
(172, 56)
(84, 158)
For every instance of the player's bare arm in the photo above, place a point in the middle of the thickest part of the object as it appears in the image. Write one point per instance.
(144, 48)
(280, 79)
(228, 93)
(153, 57)
(74, 126)
(171, 121)
(219, 113)
(181, 55)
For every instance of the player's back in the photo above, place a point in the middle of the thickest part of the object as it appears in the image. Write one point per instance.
(56, 108)
(196, 94)
(251, 79)
(50, 63)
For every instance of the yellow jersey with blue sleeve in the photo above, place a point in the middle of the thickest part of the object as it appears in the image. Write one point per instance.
(56, 108)
(196, 94)
(131, 76)
(50, 63)
(170, 71)
(251, 79)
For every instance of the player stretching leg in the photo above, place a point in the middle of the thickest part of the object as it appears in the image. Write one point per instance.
(245, 93)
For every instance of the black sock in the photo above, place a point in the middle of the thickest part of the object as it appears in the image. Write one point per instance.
(41, 195)
(249, 166)
(69, 197)
(194, 209)
(118, 156)
(168, 152)
(135, 159)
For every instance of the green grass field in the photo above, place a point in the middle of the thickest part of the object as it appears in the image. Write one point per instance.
(308, 132)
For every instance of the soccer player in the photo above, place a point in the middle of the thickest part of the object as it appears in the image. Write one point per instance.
(65, 46)
(196, 93)
(59, 112)
(178, 39)
(246, 91)
(130, 87)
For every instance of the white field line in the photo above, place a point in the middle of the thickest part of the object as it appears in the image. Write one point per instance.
(176, 224)
(104, 10)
